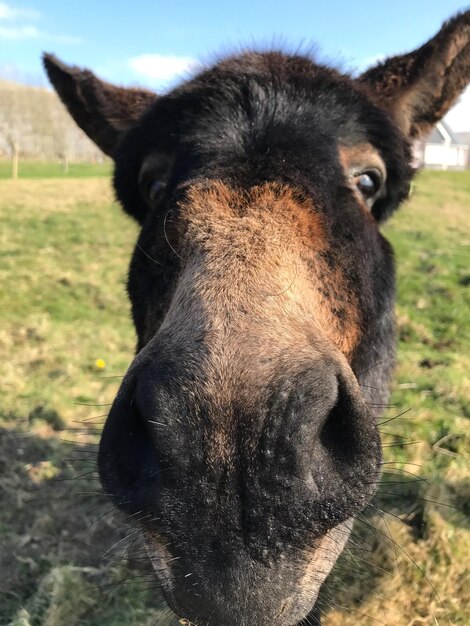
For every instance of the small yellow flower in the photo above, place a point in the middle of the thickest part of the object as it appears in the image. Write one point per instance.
(100, 364)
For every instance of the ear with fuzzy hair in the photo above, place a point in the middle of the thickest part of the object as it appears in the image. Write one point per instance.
(102, 110)
(420, 87)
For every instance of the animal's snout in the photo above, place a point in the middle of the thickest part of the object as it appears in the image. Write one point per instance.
(241, 493)
(300, 451)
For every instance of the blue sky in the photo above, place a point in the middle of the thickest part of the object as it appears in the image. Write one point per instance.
(151, 43)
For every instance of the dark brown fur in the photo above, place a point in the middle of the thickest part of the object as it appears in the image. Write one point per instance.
(242, 440)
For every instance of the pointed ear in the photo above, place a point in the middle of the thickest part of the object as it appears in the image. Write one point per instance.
(102, 110)
(420, 87)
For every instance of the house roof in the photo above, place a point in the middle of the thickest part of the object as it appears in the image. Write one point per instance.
(464, 138)
(442, 133)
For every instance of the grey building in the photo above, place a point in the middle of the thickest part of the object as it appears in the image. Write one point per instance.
(442, 149)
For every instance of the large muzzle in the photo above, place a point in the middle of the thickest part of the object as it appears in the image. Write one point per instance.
(240, 438)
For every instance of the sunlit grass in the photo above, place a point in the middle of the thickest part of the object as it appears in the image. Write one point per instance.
(423, 541)
(41, 169)
(66, 339)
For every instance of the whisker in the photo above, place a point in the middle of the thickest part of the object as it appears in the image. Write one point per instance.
(166, 236)
(139, 247)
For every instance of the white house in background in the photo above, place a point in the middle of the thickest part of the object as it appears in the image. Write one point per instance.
(441, 150)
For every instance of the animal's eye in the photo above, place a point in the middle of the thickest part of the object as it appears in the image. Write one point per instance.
(155, 191)
(154, 176)
(368, 183)
(152, 191)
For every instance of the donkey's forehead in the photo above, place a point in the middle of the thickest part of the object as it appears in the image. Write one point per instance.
(288, 97)
(265, 117)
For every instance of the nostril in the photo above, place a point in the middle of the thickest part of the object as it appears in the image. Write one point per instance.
(349, 433)
(340, 430)
(127, 458)
(335, 432)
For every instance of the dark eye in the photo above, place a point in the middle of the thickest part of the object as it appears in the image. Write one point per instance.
(155, 191)
(152, 191)
(368, 183)
(154, 176)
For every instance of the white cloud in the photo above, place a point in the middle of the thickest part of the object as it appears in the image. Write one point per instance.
(18, 33)
(459, 117)
(8, 12)
(14, 26)
(63, 38)
(160, 69)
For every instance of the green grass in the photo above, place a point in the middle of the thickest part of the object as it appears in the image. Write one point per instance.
(64, 252)
(429, 520)
(40, 169)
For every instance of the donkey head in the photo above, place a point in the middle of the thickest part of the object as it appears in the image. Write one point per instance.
(242, 439)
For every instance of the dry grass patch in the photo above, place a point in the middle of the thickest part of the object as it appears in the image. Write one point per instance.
(64, 252)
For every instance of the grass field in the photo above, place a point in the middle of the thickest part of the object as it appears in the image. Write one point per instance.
(40, 169)
(65, 341)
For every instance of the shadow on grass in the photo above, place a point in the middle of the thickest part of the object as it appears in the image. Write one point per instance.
(67, 557)
(393, 534)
